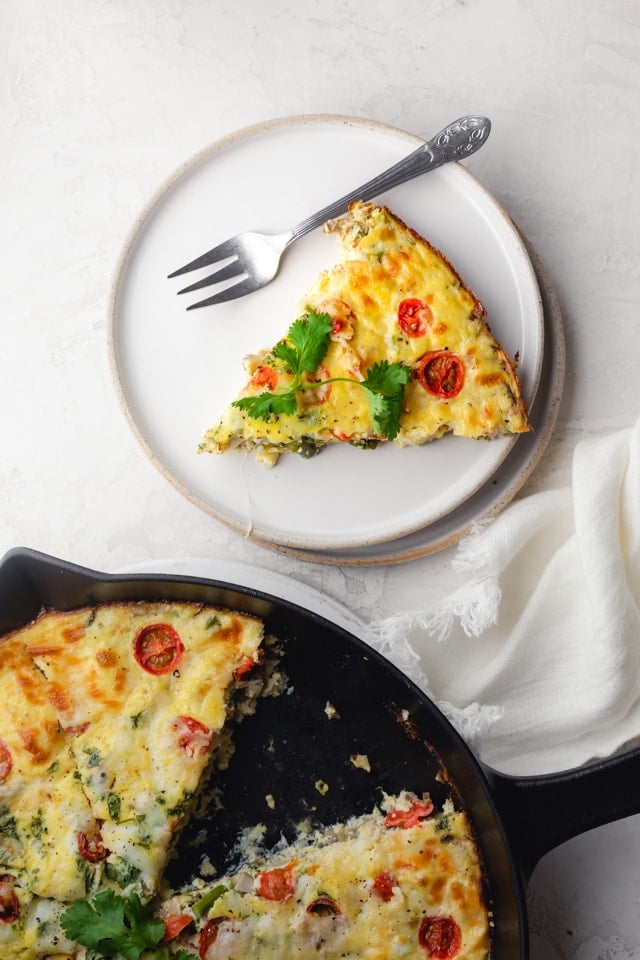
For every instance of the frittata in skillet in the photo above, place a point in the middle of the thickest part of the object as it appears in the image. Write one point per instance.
(389, 345)
(405, 883)
(110, 718)
(43, 808)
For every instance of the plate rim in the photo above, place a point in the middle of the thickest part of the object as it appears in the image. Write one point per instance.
(300, 545)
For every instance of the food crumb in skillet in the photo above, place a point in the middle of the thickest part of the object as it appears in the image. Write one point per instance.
(361, 761)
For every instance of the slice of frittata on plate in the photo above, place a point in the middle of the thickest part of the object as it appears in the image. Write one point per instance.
(390, 345)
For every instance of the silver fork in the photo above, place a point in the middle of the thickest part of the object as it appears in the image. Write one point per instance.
(251, 260)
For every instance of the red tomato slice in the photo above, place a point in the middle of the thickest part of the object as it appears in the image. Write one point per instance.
(383, 885)
(414, 317)
(6, 763)
(418, 810)
(337, 326)
(247, 664)
(278, 884)
(265, 376)
(193, 736)
(91, 848)
(209, 935)
(441, 373)
(324, 907)
(9, 903)
(158, 648)
(440, 937)
(174, 925)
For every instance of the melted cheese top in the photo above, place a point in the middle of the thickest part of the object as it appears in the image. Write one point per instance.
(99, 758)
(42, 805)
(428, 870)
(385, 264)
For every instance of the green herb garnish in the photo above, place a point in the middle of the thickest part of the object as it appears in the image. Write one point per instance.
(306, 343)
(94, 758)
(136, 718)
(114, 806)
(113, 925)
(121, 871)
(302, 351)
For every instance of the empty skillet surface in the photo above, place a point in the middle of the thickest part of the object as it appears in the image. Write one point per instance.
(293, 752)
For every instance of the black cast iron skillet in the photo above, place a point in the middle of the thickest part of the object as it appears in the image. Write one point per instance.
(290, 747)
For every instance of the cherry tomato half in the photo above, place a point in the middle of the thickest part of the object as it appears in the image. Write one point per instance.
(414, 317)
(247, 664)
(158, 648)
(383, 885)
(193, 736)
(418, 810)
(440, 937)
(209, 935)
(278, 884)
(91, 848)
(174, 925)
(442, 373)
(6, 763)
(9, 903)
(265, 376)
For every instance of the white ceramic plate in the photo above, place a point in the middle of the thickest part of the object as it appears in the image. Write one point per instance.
(176, 371)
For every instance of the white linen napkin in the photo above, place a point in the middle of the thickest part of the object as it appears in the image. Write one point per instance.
(535, 656)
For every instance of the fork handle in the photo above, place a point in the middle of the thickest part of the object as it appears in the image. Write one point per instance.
(454, 142)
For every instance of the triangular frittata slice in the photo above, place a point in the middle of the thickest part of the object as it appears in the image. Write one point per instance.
(406, 347)
(46, 822)
(144, 690)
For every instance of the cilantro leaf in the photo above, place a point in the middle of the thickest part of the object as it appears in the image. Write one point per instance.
(113, 925)
(306, 343)
(89, 924)
(268, 405)
(288, 355)
(387, 378)
(384, 386)
(386, 412)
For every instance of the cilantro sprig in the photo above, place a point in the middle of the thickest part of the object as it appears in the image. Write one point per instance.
(112, 926)
(306, 343)
(302, 351)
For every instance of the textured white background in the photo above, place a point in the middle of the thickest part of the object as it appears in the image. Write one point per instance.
(100, 100)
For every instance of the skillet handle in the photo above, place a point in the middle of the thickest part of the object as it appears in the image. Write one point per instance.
(540, 813)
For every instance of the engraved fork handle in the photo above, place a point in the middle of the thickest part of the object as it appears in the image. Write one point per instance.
(454, 142)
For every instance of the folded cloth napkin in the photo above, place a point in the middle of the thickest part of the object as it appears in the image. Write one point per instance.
(535, 656)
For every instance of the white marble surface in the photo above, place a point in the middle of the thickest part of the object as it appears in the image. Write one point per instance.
(100, 100)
